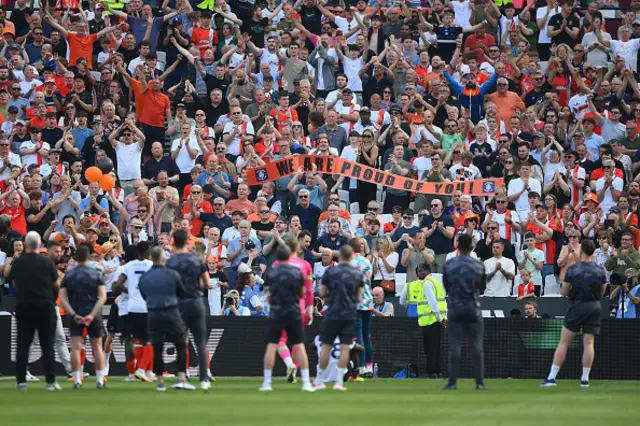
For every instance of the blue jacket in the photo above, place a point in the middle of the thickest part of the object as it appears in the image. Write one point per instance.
(473, 100)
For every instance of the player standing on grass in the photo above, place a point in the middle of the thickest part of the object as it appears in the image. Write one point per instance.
(465, 280)
(135, 324)
(286, 286)
(344, 284)
(195, 278)
(584, 284)
(82, 294)
(306, 308)
(162, 287)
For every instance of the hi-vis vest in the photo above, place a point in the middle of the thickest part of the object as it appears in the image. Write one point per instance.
(415, 292)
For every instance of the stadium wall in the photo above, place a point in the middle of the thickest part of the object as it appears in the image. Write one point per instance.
(513, 348)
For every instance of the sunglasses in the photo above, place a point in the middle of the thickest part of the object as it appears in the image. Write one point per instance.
(492, 228)
(264, 211)
(196, 192)
(218, 204)
(142, 211)
(574, 237)
(407, 217)
(433, 206)
(502, 84)
(367, 136)
(334, 199)
(501, 201)
(199, 115)
(303, 196)
(373, 209)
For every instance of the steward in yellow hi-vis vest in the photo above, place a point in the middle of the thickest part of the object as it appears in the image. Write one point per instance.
(425, 299)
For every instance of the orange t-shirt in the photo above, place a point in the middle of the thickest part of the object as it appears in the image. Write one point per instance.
(246, 207)
(18, 221)
(196, 224)
(136, 86)
(281, 117)
(507, 106)
(155, 105)
(524, 289)
(81, 47)
(202, 37)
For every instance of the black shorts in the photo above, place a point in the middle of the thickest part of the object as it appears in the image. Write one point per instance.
(166, 326)
(332, 328)
(585, 316)
(112, 321)
(124, 327)
(291, 323)
(94, 330)
(138, 326)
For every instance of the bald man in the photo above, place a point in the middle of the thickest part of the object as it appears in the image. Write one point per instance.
(381, 308)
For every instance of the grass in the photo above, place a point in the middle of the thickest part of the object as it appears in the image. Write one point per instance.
(386, 402)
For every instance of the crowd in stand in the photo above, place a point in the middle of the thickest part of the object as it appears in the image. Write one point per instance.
(184, 101)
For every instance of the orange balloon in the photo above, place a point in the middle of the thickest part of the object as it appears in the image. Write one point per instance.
(93, 174)
(107, 182)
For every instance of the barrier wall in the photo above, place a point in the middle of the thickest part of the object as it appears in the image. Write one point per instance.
(515, 348)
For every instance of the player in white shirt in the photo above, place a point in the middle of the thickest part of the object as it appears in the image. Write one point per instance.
(134, 327)
(332, 370)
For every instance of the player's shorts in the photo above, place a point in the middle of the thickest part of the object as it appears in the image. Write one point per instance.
(303, 308)
(585, 316)
(291, 324)
(332, 328)
(124, 327)
(166, 325)
(94, 330)
(137, 325)
(113, 320)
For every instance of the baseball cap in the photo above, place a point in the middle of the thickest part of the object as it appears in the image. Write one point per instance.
(107, 246)
(395, 107)
(137, 223)
(250, 245)
(8, 30)
(104, 220)
(50, 80)
(542, 206)
(61, 236)
(181, 105)
(35, 129)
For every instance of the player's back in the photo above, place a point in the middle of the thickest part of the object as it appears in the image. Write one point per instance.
(82, 284)
(307, 273)
(586, 279)
(133, 271)
(343, 282)
(464, 279)
(285, 282)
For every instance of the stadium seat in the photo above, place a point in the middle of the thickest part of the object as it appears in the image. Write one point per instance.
(354, 208)
(162, 60)
(96, 75)
(437, 276)
(514, 288)
(401, 280)
(551, 287)
(344, 195)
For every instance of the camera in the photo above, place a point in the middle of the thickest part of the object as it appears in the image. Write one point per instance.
(229, 301)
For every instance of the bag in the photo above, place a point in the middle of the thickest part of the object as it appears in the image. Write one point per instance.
(388, 285)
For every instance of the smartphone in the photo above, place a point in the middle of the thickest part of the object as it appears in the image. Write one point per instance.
(609, 223)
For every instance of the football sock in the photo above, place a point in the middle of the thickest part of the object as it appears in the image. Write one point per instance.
(585, 374)
(320, 376)
(188, 358)
(138, 353)
(267, 377)
(147, 358)
(341, 373)
(131, 367)
(283, 352)
(100, 376)
(554, 372)
(107, 355)
(305, 376)
(76, 376)
(83, 357)
(294, 357)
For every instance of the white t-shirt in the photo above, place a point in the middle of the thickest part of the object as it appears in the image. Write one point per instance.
(110, 271)
(346, 27)
(502, 225)
(469, 173)
(421, 165)
(332, 370)
(543, 37)
(214, 296)
(351, 69)
(507, 24)
(579, 105)
(123, 302)
(608, 202)
(129, 158)
(628, 50)
(184, 161)
(596, 57)
(422, 132)
(133, 271)
(522, 203)
(272, 58)
(549, 170)
(499, 285)
(341, 109)
(462, 13)
(382, 273)
(30, 159)
(14, 160)
(234, 145)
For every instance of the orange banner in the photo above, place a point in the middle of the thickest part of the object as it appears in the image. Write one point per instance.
(339, 166)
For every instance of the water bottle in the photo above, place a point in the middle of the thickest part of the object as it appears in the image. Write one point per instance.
(375, 370)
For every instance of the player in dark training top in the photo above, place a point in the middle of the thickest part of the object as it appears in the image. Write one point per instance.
(82, 294)
(344, 284)
(285, 283)
(584, 284)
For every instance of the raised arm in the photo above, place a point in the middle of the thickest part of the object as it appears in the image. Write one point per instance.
(48, 18)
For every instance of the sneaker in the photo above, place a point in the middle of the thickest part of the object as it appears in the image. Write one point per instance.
(481, 386)
(168, 375)
(548, 383)
(367, 375)
(101, 385)
(211, 378)
(308, 388)
(320, 386)
(188, 386)
(178, 385)
(291, 374)
(22, 387)
(131, 378)
(205, 385)
(584, 383)
(356, 379)
(265, 388)
(140, 375)
(151, 376)
(161, 387)
(450, 387)
(77, 385)
(52, 387)
(85, 375)
(32, 378)
(339, 387)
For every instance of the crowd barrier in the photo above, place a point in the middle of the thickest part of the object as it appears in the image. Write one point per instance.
(513, 348)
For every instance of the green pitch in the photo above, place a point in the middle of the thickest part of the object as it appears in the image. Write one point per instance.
(375, 402)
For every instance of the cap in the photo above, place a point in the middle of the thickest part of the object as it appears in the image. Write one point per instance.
(92, 230)
(12, 109)
(60, 237)
(395, 107)
(176, 20)
(55, 151)
(96, 121)
(8, 30)
(574, 153)
(538, 135)
(579, 134)
(615, 209)
(15, 46)
(181, 105)
(137, 223)
(35, 129)
(49, 80)
(104, 220)
(20, 123)
(635, 23)
(107, 246)
(542, 206)
(592, 197)
(250, 245)
(377, 18)
(468, 75)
